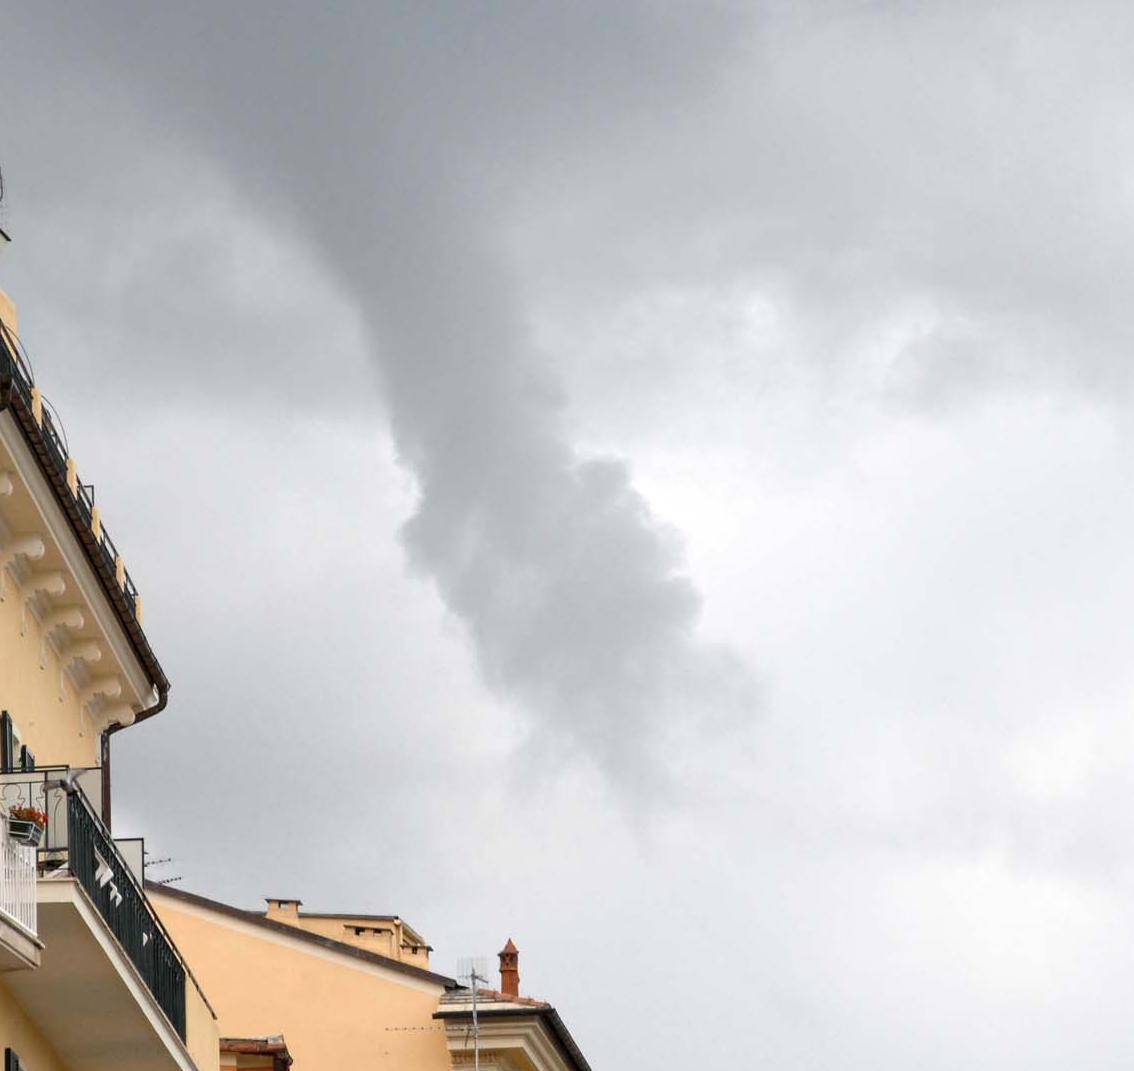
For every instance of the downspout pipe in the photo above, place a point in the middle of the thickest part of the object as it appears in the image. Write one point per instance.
(104, 747)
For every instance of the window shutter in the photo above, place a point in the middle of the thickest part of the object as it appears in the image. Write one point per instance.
(7, 742)
(27, 758)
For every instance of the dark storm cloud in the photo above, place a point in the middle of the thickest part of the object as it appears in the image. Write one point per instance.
(856, 273)
(396, 140)
(410, 145)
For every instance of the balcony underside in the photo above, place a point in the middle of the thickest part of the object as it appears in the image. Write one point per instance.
(19, 950)
(86, 996)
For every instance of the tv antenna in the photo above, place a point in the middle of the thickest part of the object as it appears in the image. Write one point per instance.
(164, 860)
(474, 970)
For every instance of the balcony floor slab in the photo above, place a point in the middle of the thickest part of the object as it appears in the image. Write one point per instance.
(86, 997)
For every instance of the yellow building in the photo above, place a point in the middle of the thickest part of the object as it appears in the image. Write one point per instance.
(355, 991)
(90, 979)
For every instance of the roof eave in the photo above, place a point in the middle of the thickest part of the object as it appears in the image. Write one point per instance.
(10, 400)
(547, 1013)
(329, 943)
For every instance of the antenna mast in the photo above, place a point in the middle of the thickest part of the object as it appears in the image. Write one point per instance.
(471, 969)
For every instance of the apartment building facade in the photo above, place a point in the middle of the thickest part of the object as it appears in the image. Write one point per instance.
(90, 979)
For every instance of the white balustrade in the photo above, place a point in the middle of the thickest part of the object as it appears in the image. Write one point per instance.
(17, 878)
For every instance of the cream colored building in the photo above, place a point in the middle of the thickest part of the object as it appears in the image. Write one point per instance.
(355, 991)
(90, 980)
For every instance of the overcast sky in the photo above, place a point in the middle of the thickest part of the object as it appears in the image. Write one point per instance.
(650, 480)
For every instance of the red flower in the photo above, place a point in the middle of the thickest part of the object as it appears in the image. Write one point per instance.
(28, 814)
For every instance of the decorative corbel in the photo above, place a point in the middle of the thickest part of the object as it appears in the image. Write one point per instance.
(121, 714)
(87, 651)
(49, 583)
(52, 582)
(83, 651)
(106, 688)
(109, 687)
(69, 617)
(31, 547)
(64, 617)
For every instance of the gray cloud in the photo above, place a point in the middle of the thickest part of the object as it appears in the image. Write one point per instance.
(846, 283)
(399, 159)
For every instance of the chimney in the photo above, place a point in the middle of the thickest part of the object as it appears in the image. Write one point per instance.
(510, 970)
(282, 910)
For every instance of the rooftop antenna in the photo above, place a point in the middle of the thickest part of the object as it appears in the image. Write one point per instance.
(473, 970)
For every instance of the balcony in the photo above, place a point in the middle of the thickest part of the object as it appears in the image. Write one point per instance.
(19, 945)
(76, 845)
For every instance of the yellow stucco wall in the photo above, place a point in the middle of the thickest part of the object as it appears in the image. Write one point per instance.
(19, 1033)
(202, 1035)
(335, 1012)
(48, 715)
(244, 1062)
(384, 944)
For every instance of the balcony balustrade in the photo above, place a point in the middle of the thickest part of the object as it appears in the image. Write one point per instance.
(76, 844)
(17, 880)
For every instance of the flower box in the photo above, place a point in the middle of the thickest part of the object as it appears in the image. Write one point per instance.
(25, 831)
(26, 825)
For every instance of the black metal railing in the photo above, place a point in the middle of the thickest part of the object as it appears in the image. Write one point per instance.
(76, 841)
(15, 369)
(41, 788)
(95, 861)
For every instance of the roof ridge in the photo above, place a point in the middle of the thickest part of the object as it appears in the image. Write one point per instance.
(534, 1002)
(256, 918)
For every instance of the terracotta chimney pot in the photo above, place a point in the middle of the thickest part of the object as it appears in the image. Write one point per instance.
(510, 970)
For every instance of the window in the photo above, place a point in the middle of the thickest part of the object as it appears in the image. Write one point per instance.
(10, 753)
(12, 1062)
